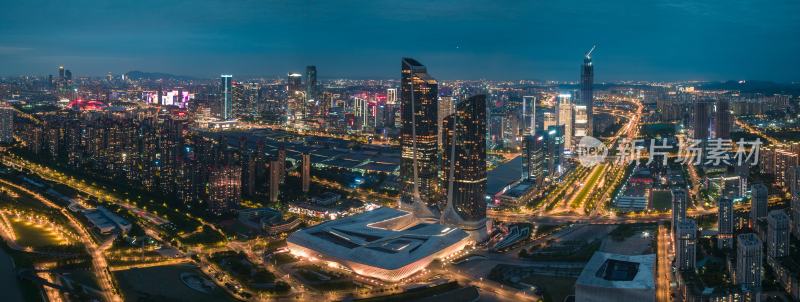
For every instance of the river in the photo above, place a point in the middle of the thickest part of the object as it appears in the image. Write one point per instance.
(9, 285)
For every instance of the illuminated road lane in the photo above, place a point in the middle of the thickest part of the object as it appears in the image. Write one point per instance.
(663, 274)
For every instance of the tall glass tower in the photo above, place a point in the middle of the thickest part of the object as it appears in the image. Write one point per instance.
(465, 161)
(587, 80)
(311, 82)
(418, 135)
(227, 95)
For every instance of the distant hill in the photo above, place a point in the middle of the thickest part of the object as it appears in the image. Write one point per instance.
(764, 87)
(141, 75)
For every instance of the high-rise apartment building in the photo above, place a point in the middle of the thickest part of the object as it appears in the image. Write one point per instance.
(722, 119)
(748, 261)
(759, 202)
(306, 170)
(686, 245)
(6, 124)
(725, 224)
(224, 188)
(778, 234)
(701, 119)
(679, 205)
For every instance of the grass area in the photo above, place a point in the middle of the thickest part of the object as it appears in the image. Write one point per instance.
(553, 288)
(624, 231)
(324, 280)
(583, 252)
(550, 288)
(414, 294)
(662, 200)
(206, 237)
(588, 186)
(246, 272)
(163, 283)
(33, 236)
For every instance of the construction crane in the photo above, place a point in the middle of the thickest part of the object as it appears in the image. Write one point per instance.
(589, 54)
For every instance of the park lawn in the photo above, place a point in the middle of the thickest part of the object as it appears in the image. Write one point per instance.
(32, 236)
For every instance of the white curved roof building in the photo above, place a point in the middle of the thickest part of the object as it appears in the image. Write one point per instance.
(385, 243)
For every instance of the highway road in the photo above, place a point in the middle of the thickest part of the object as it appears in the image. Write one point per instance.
(663, 265)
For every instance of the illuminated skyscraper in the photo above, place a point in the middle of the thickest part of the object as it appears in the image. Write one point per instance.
(227, 97)
(61, 73)
(679, 206)
(306, 170)
(311, 82)
(725, 224)
(6, 124)
(393, 117)
(445, 109)
(586, 94)
(225, 188)
(294, 83)
(391, 96)
(722, 119)
(564, 105)
(580, 121)
(418, 164)
(528, 115)
(795, 204)
(548, 119)
(778, 234)
(686, 245)
(296, 95)
(533, 149)
(274, 179)
(701, 119)
(758, 202)
(554, 143)
(533, 144)
(465, 159)
(282, 162)
(748, 261)
(361, 113)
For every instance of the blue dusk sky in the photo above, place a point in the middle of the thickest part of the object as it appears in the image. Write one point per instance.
(456, 39)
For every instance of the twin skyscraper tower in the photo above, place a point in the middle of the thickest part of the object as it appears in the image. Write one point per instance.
(447, 183)
(444, 183)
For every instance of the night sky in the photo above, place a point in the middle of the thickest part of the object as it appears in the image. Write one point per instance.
(457, 39)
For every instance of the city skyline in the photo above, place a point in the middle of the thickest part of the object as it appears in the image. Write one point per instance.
(526, 151)
(671, 41)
